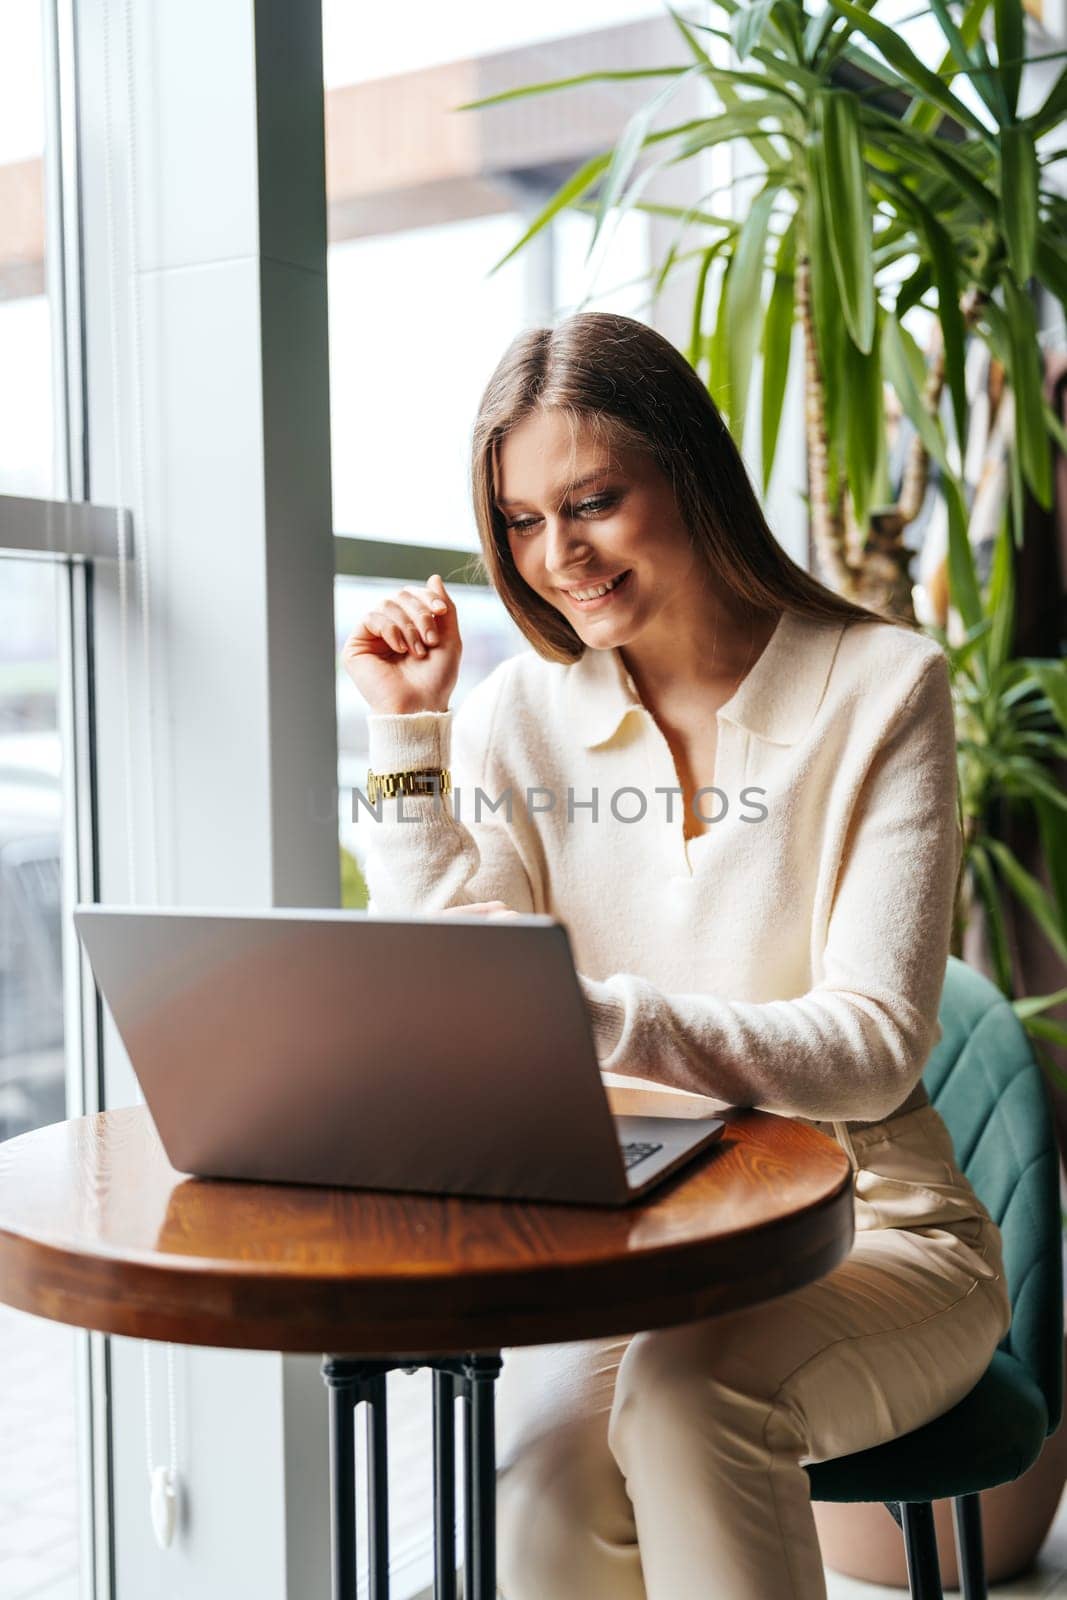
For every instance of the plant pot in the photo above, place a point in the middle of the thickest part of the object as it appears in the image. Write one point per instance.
(863, 1541)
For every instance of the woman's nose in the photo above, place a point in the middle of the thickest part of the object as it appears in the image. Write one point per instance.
(566, 546)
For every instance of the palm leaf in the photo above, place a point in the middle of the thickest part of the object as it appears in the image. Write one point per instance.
(696, 336)
(1032, 894)
(777, 346)
(1052, 110)
(1019, 182)
(864, 424)
(549, 86)
(1008, 25)
(943, 269)
(899, 369)
(1001, 601)
(748, 26)
(959, 53)
(575, 186)
(1054, 850)
(627, 151)
(988, 893)
(719, 377)
(1024, 361)
(907, 64)
(837, 154)
(745, 303)
(922, 114)
(1046, 1028)
(1052, 676)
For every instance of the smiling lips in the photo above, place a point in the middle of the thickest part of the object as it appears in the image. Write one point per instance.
(599, 598)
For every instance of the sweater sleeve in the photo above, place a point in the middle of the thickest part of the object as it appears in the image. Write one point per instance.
(420, 858)
(855, 1044)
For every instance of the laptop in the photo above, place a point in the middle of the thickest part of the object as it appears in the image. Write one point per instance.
(439, 1054)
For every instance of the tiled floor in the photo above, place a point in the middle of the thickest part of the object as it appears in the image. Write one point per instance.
(39, 1550)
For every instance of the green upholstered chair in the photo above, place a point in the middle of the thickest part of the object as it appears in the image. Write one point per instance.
(983, 1078)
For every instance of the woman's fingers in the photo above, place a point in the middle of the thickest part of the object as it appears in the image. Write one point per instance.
(440, 599)
(417, 616)
(407, 628)
(409, 618)
(386, 626)
(417, 624)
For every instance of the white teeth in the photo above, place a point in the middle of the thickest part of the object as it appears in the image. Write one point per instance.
(592, 594)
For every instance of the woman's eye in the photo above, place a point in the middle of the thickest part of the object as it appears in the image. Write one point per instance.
(595, 503)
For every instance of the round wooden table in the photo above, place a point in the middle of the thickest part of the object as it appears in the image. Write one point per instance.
(97, 1229)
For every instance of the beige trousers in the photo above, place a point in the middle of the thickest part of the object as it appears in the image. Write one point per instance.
(669, 1465)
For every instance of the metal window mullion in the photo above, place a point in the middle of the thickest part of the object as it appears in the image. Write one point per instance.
(377, 558)
(79, 832)
(69, 529)
(81, 1029)
(71, 395)
(55, 289)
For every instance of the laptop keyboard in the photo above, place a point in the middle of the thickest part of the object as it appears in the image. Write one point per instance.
(635, 1150)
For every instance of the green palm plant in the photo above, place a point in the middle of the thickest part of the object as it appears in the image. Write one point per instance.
(353, 886)
(863, 210)
(1011, 719)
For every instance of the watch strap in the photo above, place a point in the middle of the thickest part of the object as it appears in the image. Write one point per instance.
(418, 781)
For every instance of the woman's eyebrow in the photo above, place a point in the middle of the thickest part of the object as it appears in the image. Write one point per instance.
(579, 483)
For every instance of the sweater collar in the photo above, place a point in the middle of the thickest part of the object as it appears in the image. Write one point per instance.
(776, 700)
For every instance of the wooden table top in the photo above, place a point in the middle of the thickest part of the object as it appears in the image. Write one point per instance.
(97, 1229)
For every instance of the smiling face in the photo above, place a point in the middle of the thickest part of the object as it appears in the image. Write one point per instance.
(581, 514)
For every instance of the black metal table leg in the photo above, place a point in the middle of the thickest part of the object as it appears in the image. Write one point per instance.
(468, 1489)
(444, 1486)
(351, 1383)
(481, 1372)
(377, 1485)
(342, 1479)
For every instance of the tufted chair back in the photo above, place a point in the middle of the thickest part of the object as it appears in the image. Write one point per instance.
(984, 1080)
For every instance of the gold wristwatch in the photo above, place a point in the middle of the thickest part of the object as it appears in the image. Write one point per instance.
(426, 780)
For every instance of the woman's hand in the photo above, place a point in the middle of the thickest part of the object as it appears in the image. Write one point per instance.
(483, 908)
(404, 655)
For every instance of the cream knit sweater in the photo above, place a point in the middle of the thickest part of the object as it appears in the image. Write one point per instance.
(791, 957)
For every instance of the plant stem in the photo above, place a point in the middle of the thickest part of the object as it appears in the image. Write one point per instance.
(827, 522)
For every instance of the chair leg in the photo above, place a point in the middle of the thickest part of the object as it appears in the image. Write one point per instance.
(920, 1548)
(970, 1555)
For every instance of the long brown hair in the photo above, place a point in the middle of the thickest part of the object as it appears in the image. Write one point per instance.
(626, 383)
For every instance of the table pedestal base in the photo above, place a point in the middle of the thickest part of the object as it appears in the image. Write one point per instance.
(471, 1378)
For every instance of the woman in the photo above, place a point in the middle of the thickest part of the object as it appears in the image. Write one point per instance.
(738, 790)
